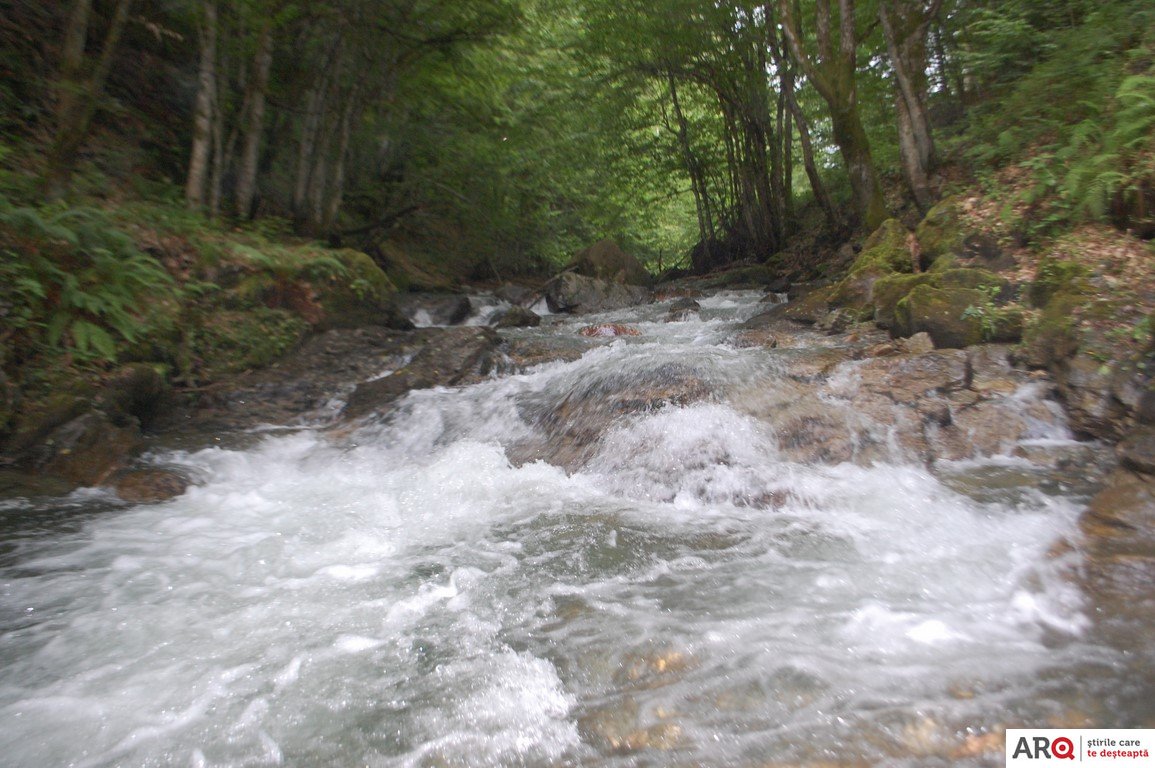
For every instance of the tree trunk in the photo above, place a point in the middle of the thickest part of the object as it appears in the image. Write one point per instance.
(78, 99)
(254, 125)
(854, 146)
(833, 75)
(905, 29)
(202, 139)
(337, 188)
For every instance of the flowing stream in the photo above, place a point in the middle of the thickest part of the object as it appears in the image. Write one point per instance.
(423, 592)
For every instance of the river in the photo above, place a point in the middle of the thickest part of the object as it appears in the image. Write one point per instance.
(423, 592)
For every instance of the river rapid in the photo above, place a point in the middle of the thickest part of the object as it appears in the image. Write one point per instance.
(423, 590)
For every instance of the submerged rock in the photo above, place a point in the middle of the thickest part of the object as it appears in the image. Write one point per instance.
(609, 329)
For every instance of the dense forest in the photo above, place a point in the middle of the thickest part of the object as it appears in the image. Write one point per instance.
(145, 145)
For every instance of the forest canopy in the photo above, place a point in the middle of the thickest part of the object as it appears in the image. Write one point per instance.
(508, 134)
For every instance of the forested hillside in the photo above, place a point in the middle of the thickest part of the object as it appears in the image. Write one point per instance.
(164, 162)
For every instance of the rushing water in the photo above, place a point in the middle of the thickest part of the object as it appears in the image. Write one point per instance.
(423, 593)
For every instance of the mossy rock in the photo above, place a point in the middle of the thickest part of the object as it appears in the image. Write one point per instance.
(886, 248)
(1006, 325)
(1055, 276)
(980, 279)
(891, 289)
(945, 314)
(940, 233)
(38, 416)
(233, 341)
(362, 295)
(1053, 335)
(884, 253)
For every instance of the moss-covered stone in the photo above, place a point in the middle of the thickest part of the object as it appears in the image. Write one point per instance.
(605, 260)
(1056, 276)
(1052, 335)
(884, 253)
(980, 279)
(951, 316)
(234, 341)
(940, 233)
(891, 289)
(359, 294)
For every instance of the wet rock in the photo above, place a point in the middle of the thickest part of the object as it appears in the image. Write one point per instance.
(448, 357)
(606, 261)
(919, 344)
(576, 294)
(148, 486)
(809, 308)
(517, 317)
(306, 383)
(682, 309)
(616, 727)
(570, 424)
(837, 321)
(1137, 450)
(1086, 387)
(425, 309)
(608, 330)
(910, 379)
(87, 449)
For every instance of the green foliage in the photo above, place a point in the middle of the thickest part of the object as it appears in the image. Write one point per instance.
(70, 281)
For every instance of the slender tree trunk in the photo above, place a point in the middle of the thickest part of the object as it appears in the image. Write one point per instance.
(203, 117)
(854, 146)
(255, 124)
(697, 178)
(79, 98)
(337, 189)
(905, 29)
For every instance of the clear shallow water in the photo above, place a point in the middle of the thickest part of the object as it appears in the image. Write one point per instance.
(411, 596)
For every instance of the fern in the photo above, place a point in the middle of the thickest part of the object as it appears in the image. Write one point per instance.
(72, 282)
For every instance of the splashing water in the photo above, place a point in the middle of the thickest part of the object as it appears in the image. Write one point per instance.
(413, 596)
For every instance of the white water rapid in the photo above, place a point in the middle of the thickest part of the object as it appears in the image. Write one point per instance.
(423, 593)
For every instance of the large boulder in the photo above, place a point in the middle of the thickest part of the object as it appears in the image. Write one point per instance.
(577, 294)
(517, 317)
(88, 449)
(604, 260)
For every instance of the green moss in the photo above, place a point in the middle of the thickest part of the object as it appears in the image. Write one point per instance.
(948, 315)
(891, 289)
(1052, 336)
(980, 279)
(1057, 276)
(940, 233)
(886, 250)
(359, 294)
(233, 341)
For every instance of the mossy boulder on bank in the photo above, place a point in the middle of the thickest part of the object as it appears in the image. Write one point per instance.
(1054, 277)
(884, 253)
(940, 233)
(947, 315)
(980, 294)
(891, 289)
(358, 294)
